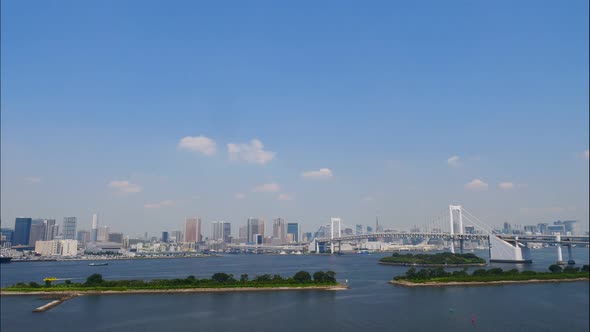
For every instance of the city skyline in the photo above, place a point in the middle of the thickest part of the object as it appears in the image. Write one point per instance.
(258, 119)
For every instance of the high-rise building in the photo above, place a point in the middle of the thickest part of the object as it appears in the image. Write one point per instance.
(83, 237)
(94, 230)
(220, 231)
(293, 229)
(37, 232)
(243, 234)
(255, 226)
(164, 237)
(69, 228)
(102, 234)
(226, 231)
(177, 235)
(192, 230)
(22, 231)
(116, 237)
(51, 229)
(279, 229)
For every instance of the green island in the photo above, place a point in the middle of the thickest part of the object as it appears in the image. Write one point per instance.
(439, 277)
(444, 259)
(95, 284)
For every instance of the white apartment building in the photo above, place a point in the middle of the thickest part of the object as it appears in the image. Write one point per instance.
(57, 248)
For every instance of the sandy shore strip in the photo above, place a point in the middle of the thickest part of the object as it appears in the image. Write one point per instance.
(176, 291)
(480, 283)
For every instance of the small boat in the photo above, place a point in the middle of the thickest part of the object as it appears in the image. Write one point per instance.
(98, 264)
(5, 259)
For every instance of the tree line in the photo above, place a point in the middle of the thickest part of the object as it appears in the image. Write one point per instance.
(439, 274)
(219, 279)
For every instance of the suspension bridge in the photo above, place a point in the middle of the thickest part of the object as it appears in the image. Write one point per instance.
(451, 228)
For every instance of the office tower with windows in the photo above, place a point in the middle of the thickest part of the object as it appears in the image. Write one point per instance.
(255, 227)
(293, 231)
(22, 231)
(279, 229)
(69, 228)
(192, 230)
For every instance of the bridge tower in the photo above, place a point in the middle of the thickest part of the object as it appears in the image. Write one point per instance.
(452, 209)
(332, 221)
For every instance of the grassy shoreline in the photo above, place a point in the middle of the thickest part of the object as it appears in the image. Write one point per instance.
(407, 283)
(440, 277)
(115, 291)
(220, 281)
(445, 259)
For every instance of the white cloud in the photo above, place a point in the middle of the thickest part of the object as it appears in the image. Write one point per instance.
(252, 152)
(159, 205)
(124, 187)
(285, 197)
(33, 179)
(267, 188)
(453, 161)
(201, 144)
(476, 184)
(239, 196)
(506, 185)
(587, 154)
(322, 173)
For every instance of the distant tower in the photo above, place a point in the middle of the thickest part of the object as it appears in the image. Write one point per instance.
(94, 231)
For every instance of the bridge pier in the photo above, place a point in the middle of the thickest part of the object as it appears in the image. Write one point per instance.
(452, 246)
(462, 245)
(570, 257)
(559, 255)
(558, 245)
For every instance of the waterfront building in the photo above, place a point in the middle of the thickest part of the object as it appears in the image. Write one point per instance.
(552, 229)
(57, 248)
(6, 235)
(369, 229)
(293, 230)
(255, 227)
(279, 230)
(94, 230)
(22, 231)
(37, 232)
(69, 228)
(192, 230)
(542, 228)
(164, 237)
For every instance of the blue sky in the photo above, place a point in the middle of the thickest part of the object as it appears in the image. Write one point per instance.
(404, 104)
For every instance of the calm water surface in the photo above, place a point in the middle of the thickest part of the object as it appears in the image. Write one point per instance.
(370, 304)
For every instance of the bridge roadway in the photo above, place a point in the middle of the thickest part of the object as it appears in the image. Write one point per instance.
(394, 235)
(565, 239)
